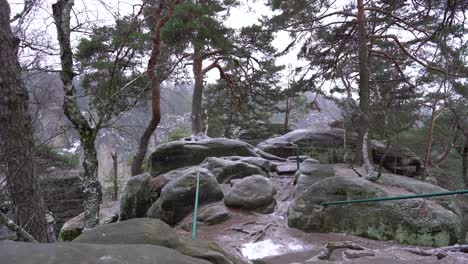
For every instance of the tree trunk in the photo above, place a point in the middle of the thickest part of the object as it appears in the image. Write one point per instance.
(155, 83)
(115, 179)
(197, 99)
(286, 116)
(16, 137)
(430, 132)
(92, 187)
(465, 161)
(361, 157)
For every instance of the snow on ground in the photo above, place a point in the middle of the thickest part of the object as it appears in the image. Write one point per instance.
(267, 248)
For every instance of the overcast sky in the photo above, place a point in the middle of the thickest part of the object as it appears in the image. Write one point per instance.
(40, 23)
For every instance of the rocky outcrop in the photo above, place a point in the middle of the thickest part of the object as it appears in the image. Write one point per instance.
(226, 169)
(309, 173)
(140, 193)
(327, 146)
(177, 198)
(155, 232)
(252, 193)
(413, 221)
(183, 153)
(259, 132)
(213, 215)
(63, 194)
(109, 213)
(77, 253)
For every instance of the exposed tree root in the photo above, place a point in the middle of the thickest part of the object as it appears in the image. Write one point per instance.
(260, 233)
(330, 247)
(440, 253)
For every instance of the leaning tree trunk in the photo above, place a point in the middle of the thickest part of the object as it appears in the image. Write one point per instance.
(151, 70)
(197, 99)
(16, 137)
(92, 186)
(286, 116)
(465, 161)
(362, 151)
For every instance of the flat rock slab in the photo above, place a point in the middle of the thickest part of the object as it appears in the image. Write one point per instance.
(286, 168)
(76, 253)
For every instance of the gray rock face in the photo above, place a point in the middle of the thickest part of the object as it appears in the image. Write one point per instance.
(178, 196)
(75, 253)
(327, 147)
(137, 197)
(252, 193)
(63, 194)
(184, 153)
(228, 168)
(155, 232)
(414, 221)
(310, 173)
(72, 228)
(213, 215)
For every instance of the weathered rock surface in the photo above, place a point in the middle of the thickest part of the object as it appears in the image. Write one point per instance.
(63, 194)
(108, 213)
(185, 153)
(327, 146)
(76, 253)
(309, 173)
(155, 232)
(252, 193)
(213, 215)
(414, 221)
(226, 169)
(178, 196)
(137, 197)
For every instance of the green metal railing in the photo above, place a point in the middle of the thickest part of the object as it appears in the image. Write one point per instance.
(369, 200)
(195, 210)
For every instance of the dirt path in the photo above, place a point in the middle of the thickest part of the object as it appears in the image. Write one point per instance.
(267, 239)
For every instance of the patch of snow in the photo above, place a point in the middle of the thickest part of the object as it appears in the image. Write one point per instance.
(267, 248)
(260, 249)
(295, 247)
(73, 148)
(105, 258)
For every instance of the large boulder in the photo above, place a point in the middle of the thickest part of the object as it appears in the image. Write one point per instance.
(414, 221)
(213, 215)
(108, 213)
(76, 253)
(183, 153)
(252, 193)
(309, 173)
(139, 195)
(327, 146)
(177, 198)
(63, 194)
(155, 232)
(226, 169)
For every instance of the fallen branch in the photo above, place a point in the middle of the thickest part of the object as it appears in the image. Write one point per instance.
(17, 229)
(260, 233)
(440, 253)
(330, 247)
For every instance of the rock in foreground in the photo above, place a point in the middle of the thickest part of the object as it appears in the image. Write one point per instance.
(252, 193)
(75, 253)
(414, 221)
(177, 198)
(155, 232)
